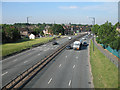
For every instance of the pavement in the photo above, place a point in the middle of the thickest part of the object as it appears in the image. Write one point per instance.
(15, 65)
(70, 69)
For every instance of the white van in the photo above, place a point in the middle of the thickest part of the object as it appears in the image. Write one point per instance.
(69, 38)
(76, 45)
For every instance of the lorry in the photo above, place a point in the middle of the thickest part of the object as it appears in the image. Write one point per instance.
(77, 44)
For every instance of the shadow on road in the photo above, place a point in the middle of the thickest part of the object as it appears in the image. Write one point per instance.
(84, 47)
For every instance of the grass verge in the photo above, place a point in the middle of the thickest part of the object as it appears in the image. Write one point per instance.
(105, 73)
(15, 47)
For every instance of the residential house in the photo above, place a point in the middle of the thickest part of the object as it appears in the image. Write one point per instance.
(118, 28)
(24, 31)
(45, 31)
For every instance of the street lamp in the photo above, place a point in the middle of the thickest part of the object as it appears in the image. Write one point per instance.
(28, 22)
(93, 26)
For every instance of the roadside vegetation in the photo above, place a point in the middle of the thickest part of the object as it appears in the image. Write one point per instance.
(105, 73)
(107, 35)
(10, 48)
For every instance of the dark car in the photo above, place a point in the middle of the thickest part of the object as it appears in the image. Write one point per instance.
(85, 44)
(58, 36)
(68, 47)
(54, 43)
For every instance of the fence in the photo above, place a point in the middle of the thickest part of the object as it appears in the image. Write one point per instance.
(113, 51)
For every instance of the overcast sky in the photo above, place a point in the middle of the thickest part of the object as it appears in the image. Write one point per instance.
(60, 12)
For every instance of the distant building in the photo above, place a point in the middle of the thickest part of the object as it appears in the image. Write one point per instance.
(24, 31)
(46, 30)
(118, 28)
(32, 36)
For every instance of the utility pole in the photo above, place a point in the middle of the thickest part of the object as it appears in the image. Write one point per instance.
(27, 20)
(27, 24)
(93, 33)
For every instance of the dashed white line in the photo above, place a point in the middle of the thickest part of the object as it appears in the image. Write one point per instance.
(25, 61)
(66, 56)
(44, 45)
(60, 65)
(15, 60)
(74, 66)
(48, 49)
(69, 83)
(52, 48)
(49, 81)
(76, 57)
(4, 73)
(29, 54)
(38, 54)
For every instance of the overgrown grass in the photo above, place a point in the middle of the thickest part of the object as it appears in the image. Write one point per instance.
(105, 73)
(15, 47)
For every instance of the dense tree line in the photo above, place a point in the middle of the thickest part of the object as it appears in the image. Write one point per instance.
(56, 29)
(107, 35)
(10, 33)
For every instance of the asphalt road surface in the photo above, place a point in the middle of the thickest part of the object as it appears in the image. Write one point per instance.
(15, 65)
(70, 69)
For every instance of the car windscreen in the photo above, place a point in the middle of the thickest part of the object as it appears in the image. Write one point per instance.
(76, 44)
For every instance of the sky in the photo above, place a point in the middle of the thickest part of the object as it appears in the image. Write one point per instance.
(59, 12)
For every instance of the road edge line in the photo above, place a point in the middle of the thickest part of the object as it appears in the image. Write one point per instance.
(92, 84)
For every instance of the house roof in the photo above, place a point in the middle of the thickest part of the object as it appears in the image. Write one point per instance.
(118, 28)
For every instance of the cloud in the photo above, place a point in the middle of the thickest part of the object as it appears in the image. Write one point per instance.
(68, 7)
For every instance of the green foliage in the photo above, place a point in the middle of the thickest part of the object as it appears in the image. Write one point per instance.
(10, 33)
(115, 44)
(37, 31)
(95, 29)
(10, 48)
(107, 35)
(56, 29)
(105, 73)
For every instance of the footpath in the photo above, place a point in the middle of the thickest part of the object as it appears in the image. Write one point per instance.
(109, 55)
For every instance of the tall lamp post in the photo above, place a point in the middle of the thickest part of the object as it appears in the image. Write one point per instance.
(28, 21)
(93, 26)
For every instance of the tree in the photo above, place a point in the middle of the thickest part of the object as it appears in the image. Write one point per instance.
(115, 44)
(95, 29)
(56, 29)
(105, 32)
(10, 34)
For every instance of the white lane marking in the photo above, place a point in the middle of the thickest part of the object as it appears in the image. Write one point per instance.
(38, 54)
(29, 53)
(69, 82)
(74, 66)
(48, 49)
(49, 81)
(66, 56)
(44, 45)
(15, 60)
(4, 73)
(76, 57)
(60, 65)
(25, 61)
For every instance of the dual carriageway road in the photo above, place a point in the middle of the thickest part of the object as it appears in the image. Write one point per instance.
(70, 69)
